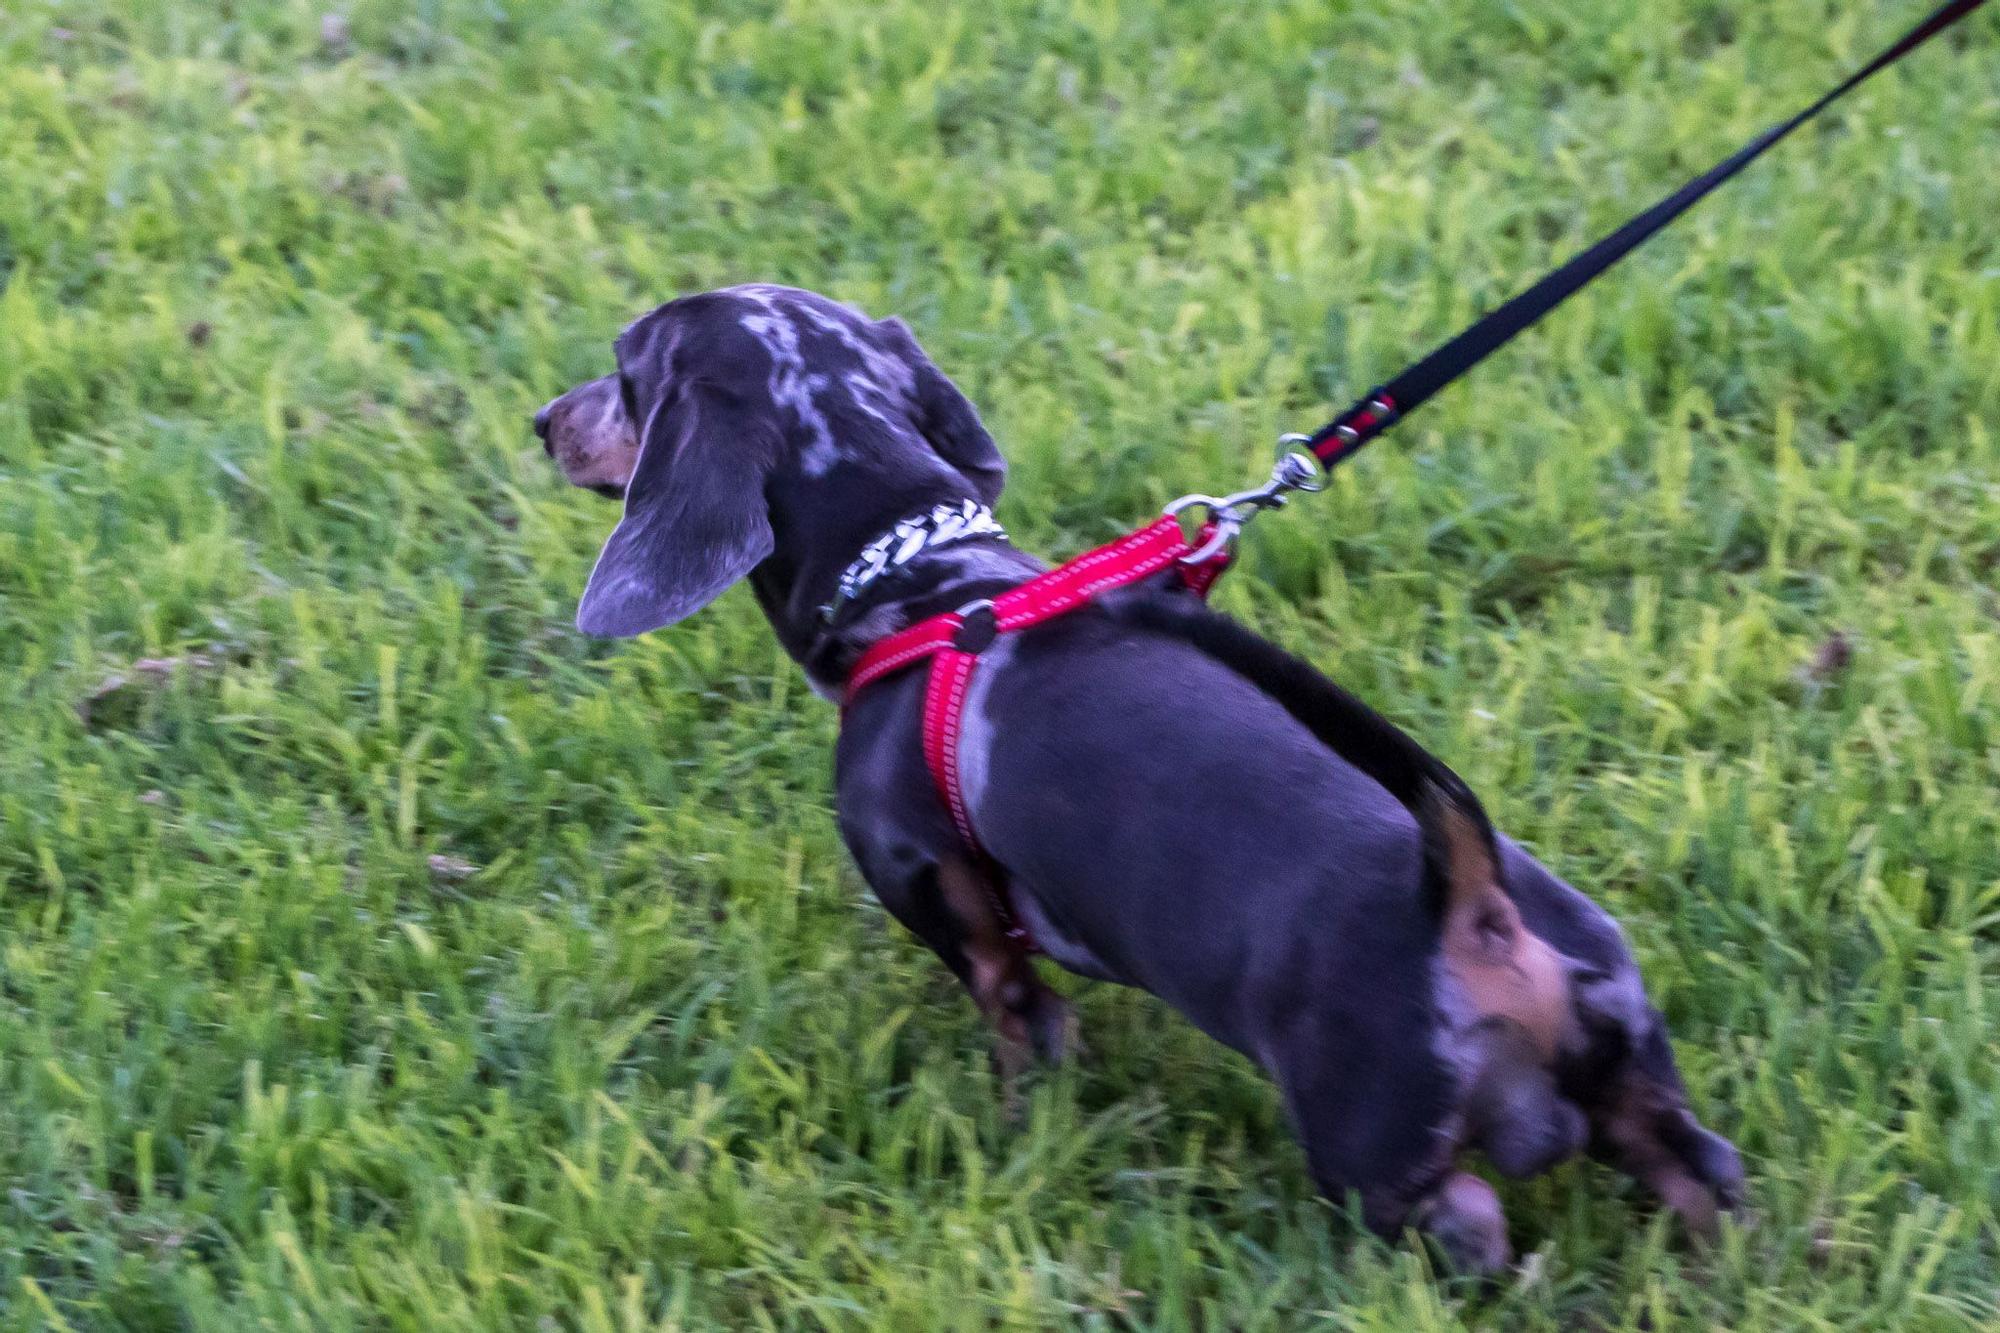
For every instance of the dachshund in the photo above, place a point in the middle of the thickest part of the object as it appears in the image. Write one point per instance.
(1162, 798)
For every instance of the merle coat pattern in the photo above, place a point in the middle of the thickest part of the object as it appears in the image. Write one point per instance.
(1168, 801)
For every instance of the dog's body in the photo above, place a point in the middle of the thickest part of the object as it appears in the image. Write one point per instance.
(1160, 796)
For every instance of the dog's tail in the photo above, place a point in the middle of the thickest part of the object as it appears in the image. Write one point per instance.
(1462, 865)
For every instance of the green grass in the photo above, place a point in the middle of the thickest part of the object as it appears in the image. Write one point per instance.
(275, 304)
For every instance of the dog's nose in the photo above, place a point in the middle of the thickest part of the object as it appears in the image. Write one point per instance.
(542, 427)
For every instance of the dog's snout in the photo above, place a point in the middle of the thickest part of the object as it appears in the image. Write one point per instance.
(542, 427)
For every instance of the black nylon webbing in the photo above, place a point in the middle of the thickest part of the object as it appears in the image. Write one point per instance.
(1342, 437)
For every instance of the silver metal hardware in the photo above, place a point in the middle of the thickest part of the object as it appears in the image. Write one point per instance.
(1297, 467)
(1295, 470)
(979, 626)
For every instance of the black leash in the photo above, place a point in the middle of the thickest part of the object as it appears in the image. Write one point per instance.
(1341, 438)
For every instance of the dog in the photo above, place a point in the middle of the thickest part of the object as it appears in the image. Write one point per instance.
(1162, 798)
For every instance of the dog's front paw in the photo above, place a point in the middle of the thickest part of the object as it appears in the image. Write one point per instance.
(1053, 1029)
(1037, 1018)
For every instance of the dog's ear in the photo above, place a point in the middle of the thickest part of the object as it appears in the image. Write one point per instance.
(947, 419)
(696, 519)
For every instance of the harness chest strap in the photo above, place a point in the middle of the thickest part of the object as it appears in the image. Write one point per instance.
(954, 640)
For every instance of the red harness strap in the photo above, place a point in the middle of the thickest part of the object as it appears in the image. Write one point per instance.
(955, 639)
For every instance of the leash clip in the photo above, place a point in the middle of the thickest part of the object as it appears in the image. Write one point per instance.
(1295, 470)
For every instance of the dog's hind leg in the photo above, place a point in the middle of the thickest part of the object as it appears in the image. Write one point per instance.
(1514, 1111)
(1641, 1123)
(1378, 1116)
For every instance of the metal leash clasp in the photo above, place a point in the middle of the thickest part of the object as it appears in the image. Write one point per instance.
(1295, 470)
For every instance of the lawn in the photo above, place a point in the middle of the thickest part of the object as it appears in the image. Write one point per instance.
(376, 952)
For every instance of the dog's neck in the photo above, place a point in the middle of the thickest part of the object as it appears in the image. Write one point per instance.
(816, 544)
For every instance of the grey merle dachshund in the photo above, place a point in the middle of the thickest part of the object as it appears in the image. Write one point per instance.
(1418, 987)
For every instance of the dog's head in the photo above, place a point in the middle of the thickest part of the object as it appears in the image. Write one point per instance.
(728, 412)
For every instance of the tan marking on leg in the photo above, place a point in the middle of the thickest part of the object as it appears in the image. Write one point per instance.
(1506, 969)
(999, 975)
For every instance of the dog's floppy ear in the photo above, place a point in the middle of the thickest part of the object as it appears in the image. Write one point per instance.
(947, 419)
(695, 515)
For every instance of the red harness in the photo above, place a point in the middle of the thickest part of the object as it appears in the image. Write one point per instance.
(954, 640)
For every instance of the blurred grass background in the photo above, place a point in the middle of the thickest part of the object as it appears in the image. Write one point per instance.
(377, 953)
